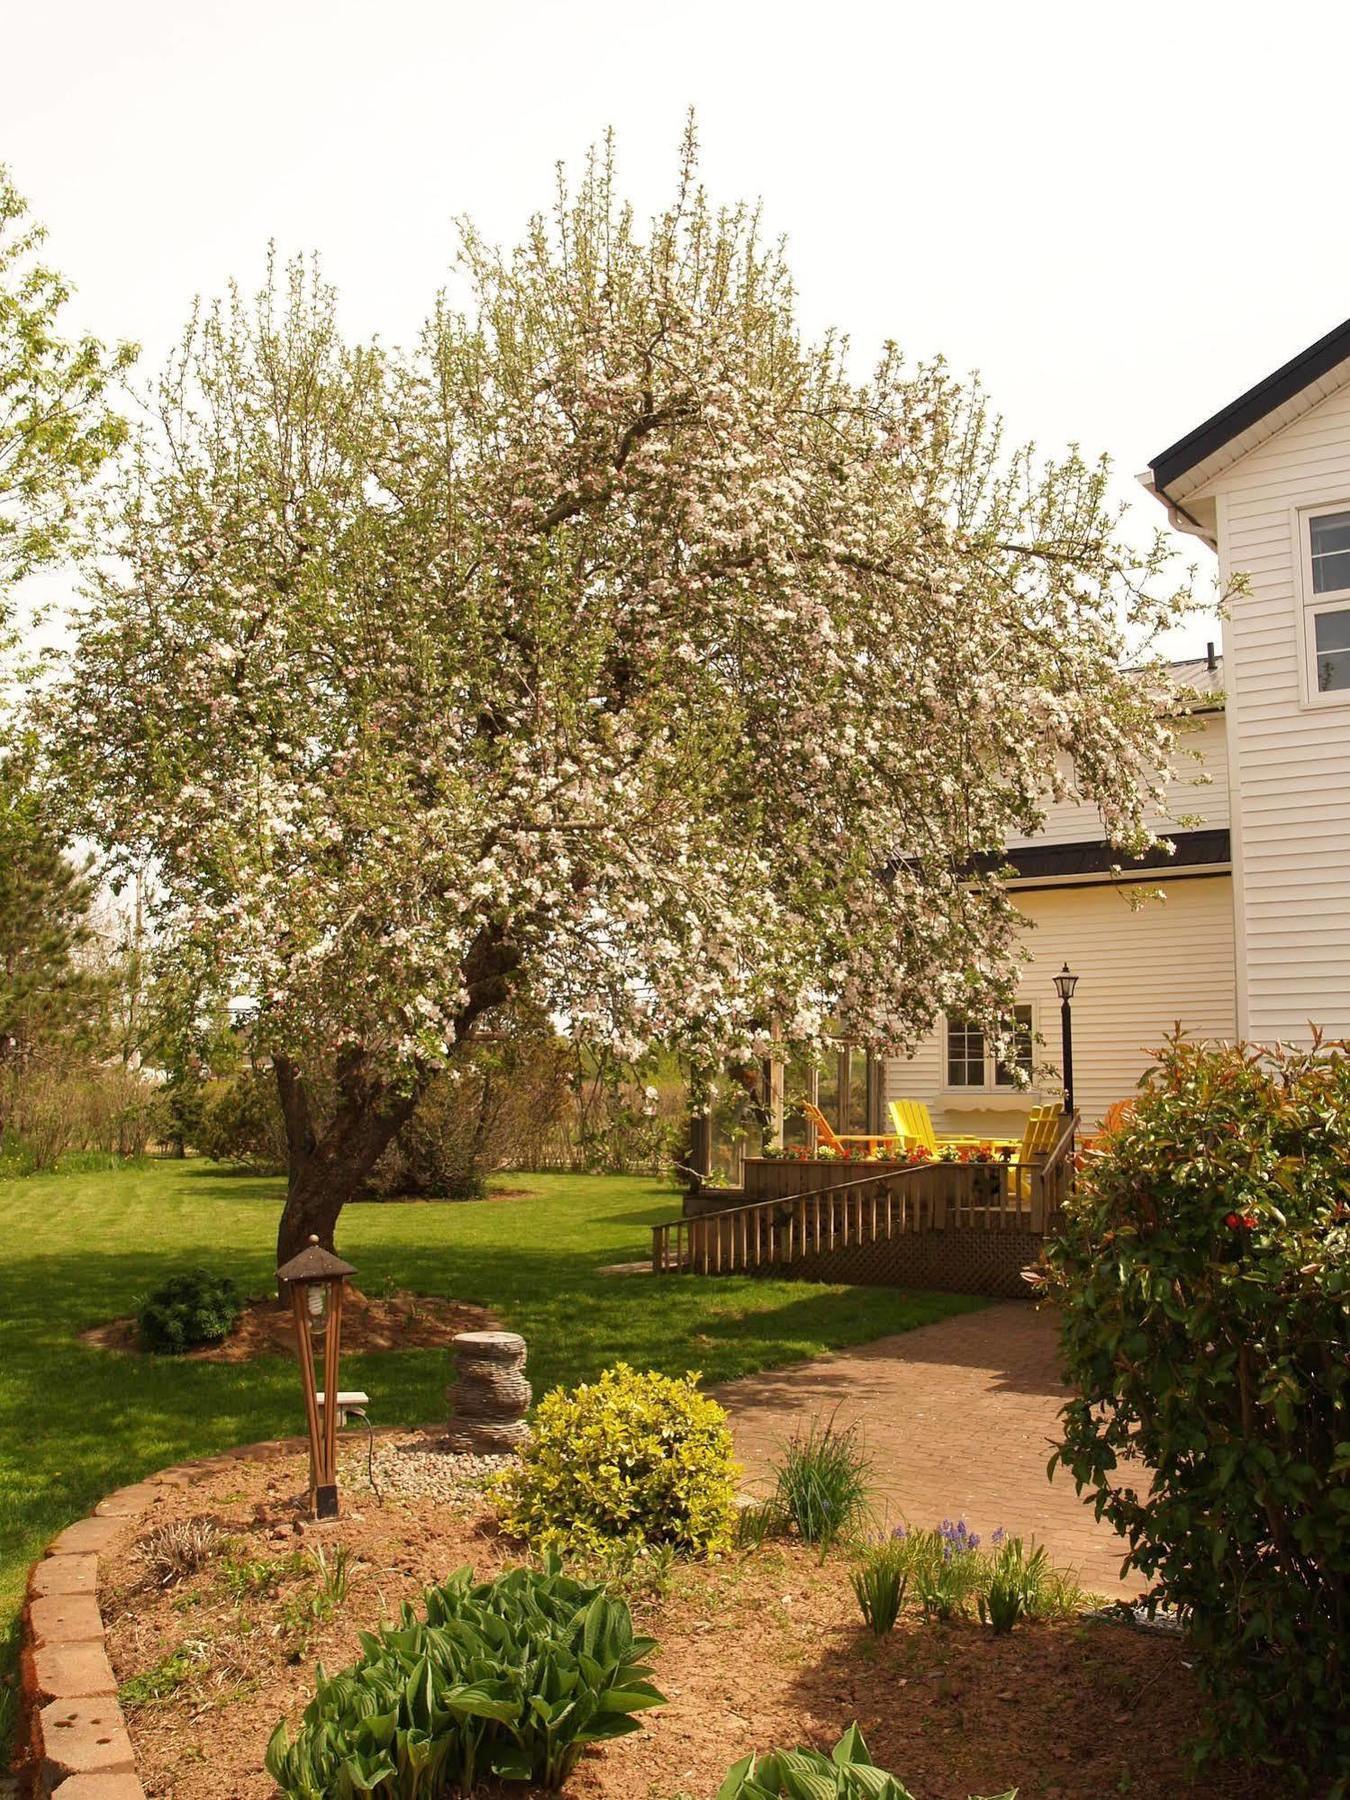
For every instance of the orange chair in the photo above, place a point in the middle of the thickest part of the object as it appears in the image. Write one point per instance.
(832, 1140)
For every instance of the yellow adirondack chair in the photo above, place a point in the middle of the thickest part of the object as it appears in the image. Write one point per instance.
(914, 1123)
(1038, 1140)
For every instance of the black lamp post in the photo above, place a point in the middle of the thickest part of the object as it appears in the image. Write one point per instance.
(1065, 983)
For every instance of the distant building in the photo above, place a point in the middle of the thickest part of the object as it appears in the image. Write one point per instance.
(1253, 936)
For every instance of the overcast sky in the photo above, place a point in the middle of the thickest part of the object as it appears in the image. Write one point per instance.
(1121, 214)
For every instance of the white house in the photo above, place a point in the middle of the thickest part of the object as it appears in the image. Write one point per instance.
(1252, 936)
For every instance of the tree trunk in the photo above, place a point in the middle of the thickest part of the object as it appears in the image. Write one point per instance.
(324, 1173)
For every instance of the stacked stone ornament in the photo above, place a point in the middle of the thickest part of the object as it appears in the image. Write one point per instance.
(490, 1395)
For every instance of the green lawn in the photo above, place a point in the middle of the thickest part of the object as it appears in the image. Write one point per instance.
(81, 1248)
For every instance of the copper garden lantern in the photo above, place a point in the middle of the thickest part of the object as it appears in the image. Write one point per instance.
(315, 1278)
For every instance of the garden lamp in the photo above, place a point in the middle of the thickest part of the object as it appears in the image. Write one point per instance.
(1065, 983)
(315, 1278)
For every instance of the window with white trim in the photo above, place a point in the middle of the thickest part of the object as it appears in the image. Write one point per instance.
(971, 1062)
(1327, 603)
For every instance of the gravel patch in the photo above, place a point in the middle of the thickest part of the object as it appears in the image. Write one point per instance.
(422, 1469)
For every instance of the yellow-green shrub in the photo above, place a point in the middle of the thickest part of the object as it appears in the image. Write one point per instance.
(635, 1459)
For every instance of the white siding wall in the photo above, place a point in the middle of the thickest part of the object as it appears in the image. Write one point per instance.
(1200, 801)
(1140, 972)
(1290, 761)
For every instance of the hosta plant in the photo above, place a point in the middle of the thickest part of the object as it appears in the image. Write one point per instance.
(507, 1679)
(848, 1773)
(631, 1458)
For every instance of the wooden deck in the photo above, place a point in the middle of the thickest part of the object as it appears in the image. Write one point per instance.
(806, 1211)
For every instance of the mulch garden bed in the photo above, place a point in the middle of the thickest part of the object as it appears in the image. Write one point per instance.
(760, 1649)
(395, 1321)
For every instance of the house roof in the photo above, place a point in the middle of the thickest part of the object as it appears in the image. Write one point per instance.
(1201, 676)
(1206, 851)
(1293, 389)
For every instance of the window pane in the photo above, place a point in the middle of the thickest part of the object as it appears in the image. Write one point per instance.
(827, 1090)
(965, 1054)
(856, 1117)
(1022, 1056)
(1332, 651)
(1330, 536)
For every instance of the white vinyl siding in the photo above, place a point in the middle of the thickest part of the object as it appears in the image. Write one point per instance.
(1140, 971)
(1201, 753)
(1289, 750)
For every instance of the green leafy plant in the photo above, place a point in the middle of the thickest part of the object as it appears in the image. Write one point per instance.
(944, 1566)
(879, 1584)
(333, 1574)
(168, 1675)
(635, 1458)
(1202, 1277)
(510, 1678)
(1015, 1587)
(848, 1773)
(188, 1310)
(241, 1577)
(759, 1521)
(822, 1483)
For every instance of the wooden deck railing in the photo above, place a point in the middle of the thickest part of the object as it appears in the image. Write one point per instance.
(935, 1196)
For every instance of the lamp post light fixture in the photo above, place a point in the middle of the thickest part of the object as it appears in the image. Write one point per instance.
(315, 1278)
(1065, 983)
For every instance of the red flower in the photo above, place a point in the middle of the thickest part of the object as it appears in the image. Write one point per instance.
(1232, 1221)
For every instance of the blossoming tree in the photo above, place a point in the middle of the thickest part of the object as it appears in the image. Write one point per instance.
(615, 650)
(57, 428)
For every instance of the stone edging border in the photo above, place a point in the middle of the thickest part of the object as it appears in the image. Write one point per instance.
(71, 1723)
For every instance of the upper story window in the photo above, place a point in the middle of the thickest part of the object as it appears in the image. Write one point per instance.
(1326, 596)
(971, 1062)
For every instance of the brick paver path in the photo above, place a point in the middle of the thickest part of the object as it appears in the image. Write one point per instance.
(957, 1418)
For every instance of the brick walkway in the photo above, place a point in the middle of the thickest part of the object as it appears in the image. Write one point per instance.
(957, 1418)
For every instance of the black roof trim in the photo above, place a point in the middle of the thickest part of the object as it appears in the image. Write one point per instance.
(1193, 848)
(1250, 408)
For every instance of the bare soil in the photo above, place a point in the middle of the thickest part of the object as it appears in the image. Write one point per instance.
(396, 1321)
(756, 1650)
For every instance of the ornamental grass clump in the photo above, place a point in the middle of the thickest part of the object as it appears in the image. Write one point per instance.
(823, 1483)
(848, 1773)
(507, 1680)
(1202, 1277)
(629, 1459)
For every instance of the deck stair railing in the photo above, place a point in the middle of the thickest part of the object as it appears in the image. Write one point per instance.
(936, 1196)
